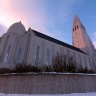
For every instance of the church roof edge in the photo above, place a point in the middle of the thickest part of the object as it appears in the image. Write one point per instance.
(56, 41)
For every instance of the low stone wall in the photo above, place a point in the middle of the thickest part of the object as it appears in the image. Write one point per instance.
(47, 83)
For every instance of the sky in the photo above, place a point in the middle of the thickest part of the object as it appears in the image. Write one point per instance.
(51, 17)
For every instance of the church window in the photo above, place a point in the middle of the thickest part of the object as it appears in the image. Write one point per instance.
(48, 56)
(77, 26)
(89, 62)
(80, 59)
(7, 54)
(84, 28)
(19, 55)
(67, 52)
(85, 60)
(9, 47)
(73, 29)
(57, 53)
(37, 54)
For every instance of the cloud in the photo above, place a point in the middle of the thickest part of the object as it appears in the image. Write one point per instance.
(94, 39)
(94, 36)
(47, 16)
(94, 43)
(30, 12)
(3, 29)
(93, 16)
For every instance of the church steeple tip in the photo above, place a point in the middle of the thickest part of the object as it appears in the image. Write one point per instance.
(76, 22)
(76, 19)
(75, 16)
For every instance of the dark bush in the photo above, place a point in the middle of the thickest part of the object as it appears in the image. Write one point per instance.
(21, 68)
(60, 63)
(85, 70)
(65, 63)
(5, 70)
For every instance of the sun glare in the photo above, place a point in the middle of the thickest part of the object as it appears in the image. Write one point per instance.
(7, 16)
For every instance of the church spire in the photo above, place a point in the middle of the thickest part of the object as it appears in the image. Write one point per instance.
(80, 38)
(76, 19)
(77, 23)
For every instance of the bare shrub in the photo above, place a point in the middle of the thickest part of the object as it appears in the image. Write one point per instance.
(5, 70)
(21, 68)
(62, 63)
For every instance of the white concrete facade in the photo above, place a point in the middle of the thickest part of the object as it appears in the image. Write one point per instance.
(31, 47)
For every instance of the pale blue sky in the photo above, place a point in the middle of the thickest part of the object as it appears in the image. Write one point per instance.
(51, 17)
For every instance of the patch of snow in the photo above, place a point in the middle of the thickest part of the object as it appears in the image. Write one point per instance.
(47, 73)
(73, 94)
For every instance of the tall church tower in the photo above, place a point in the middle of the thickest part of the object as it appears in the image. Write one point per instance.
(80, 38)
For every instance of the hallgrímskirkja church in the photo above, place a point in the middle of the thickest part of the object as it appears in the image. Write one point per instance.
(19, 46)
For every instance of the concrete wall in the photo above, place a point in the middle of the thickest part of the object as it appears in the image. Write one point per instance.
(47, 83)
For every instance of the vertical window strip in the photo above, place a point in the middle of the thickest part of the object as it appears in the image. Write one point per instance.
(80, 59)
(85, 61)
(57, 53)
(19, 55)
(7, 54)
(48, 56)
(37, 54)
(89, 63)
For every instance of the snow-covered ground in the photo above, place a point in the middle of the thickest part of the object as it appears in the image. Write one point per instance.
(74, 94)
(29, 73)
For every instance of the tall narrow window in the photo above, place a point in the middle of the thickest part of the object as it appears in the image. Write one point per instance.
(77, 26)
(85, 61)
(37, 54)
(57, 53)
(19, 55)
(80, 59)
(7, 54)
(48, 56)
